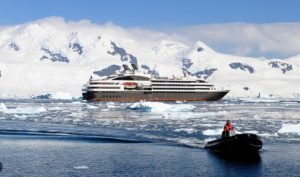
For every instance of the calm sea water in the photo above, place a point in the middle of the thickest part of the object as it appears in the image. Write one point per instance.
(76, 138)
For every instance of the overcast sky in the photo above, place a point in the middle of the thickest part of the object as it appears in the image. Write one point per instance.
(267, 28)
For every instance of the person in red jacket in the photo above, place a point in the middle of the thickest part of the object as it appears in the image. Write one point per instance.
(228, 129)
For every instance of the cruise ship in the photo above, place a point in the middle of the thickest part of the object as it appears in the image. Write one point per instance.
(133, 85)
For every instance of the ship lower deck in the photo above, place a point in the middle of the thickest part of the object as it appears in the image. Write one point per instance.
(129, 96)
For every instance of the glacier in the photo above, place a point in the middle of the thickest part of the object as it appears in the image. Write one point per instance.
(51, 55)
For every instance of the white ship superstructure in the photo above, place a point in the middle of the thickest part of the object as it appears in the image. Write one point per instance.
(132, 85)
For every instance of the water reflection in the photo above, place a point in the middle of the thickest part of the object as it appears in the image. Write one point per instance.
(241, 157)
(232, 164)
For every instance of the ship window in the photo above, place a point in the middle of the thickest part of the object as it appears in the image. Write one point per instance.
(123, 78)
(201, 81)
(139, 78)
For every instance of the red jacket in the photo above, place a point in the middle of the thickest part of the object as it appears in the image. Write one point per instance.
(227, 127)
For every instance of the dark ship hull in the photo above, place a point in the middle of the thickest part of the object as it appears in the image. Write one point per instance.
(128, 96)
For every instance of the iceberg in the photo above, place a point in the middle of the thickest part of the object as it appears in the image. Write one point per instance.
(19, 110)
(290, 129)
(55, 96)
(160, 107)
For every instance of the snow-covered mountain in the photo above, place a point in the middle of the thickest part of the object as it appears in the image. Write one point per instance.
(51, 55)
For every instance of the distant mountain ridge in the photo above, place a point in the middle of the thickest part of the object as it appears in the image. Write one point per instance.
(51, 55)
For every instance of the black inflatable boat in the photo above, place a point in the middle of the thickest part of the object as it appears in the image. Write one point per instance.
(236, 143)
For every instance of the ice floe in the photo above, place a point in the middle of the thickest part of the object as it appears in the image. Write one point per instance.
(187, 130)
(76, 102)
(110, 105)
(191, 122)
(268, 135)
(21, 110)
(89, 106)
(160, 107)
(21, 116)
(290, 129)
(251, 131)
(54, 108)
(212, 132)
(209, 139)
(83, 167)
(259, 100)
(2, 107)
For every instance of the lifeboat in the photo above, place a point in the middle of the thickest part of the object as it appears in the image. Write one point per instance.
(130, 85)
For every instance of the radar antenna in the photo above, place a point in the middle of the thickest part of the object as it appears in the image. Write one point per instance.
(153, 71)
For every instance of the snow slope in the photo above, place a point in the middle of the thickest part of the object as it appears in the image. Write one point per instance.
(51, 55)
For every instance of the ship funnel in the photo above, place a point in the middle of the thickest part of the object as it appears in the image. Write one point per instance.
(126, 67)
(134, 66)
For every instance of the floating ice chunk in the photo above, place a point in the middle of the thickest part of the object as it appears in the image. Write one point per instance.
(18, 110)
(55, 109)
(251, 132)
(56, 96)
(207, 125)
(2, 107)
(139, 106)
(209, 139)
(237, 132)
(83, 167)
(110, 105)
(212, 132)
(76, 102)
(160, 107)
(290, 102)
(88, 106)
(187, 130)
(268, 134)
(259, 100)
(290, 129)
(20, 116)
